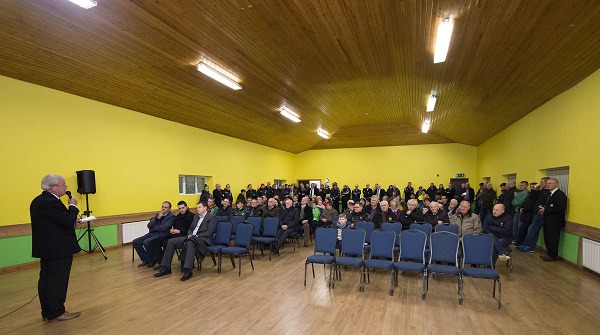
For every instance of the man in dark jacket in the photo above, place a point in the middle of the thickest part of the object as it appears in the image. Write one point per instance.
(486, 200)
(383, 215)
(554, 211)
(254, 210)
(182, 223)
(412, 214)
(358, 214)
(53, 240)
(159, 226)
(288, 223)
(218, 195)
(499, 226)
(225, 209)
(435, 215)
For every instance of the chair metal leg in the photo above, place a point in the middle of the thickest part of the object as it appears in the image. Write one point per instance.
(425, 285)
(305, 265)
(270, 253)
(499, 294)
(240, 266)
(232, 260)
(461, 283)
(392, 283)
(331, 282)
(313, 269)
(494, 291)
(220, 259)
(360, 280)
(212, 255)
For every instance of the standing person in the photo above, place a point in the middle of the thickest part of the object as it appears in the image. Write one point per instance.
(554, 211)
(53, 240)
(540, 196)
(345, 196)
(335, 196)
(356, 194)
(488, 195)
(205, 193)
(408, 190)
(367, 191)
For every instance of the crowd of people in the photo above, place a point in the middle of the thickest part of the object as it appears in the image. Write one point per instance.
(513, 216)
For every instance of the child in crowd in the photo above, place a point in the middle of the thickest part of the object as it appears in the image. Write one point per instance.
(342, 223)
(316, 213)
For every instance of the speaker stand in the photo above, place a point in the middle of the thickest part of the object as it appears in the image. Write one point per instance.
(90, 232)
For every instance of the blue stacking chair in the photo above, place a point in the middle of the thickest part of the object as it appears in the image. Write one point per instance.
(412, 254)
(235, 221)
(221, 218)
(268, 237)
(447, 227)
(477, 250)
(397, 228)
(243, 240)
(444, 248)
(221, 241)
(325, 241)
(426, 228)
(368, 227)
(382, 255)
(257, 223)
(352, 253)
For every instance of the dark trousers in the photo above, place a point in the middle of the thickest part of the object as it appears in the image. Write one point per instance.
(180, 243)
(143, 247)
(282, 235)
(155, 247)
(52, 286)
(551, 238)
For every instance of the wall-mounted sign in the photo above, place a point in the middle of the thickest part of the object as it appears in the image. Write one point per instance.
(460, 175)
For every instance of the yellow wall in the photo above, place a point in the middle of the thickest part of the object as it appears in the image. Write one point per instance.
(137, 158)
(420, 164)
(562, 132)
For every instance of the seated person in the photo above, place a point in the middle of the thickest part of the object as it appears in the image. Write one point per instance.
(225, 209)
(182, 223)
(198, 237)
(212, 206)
(272, 210)
(499, 226)
(288, 224)
(326, 218)
(412, 214)
(349, 208)
(358, 214)
(254, 210)
(394, 207)
(435, 215)
(158, 226)
(467, 221)
(452, 206)
(384, 215)
(240, 209)
(305, 213)
(373, 208)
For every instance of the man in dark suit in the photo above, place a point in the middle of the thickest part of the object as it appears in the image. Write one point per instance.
(159, 227)
(218, 195)
(199, 236)
(554, 219)
(288, 224)
(54, 242)
(305, 214)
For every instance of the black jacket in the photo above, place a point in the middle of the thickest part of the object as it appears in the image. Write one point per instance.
(381, 217)
(414, 217)
(289, 217)
(500, 226)
(183, 222)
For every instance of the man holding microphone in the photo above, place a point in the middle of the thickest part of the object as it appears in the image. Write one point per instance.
(54, 242)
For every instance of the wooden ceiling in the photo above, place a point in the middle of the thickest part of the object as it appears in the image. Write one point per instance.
(362, 70)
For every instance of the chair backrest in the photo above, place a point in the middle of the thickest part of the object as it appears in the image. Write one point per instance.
(477, 249)
(270, 227)
(444, 247)
(222, 218)
(235, 220)
(412, 245)
(243, 236)
(395, 227)
(334, 220)
(424, 227)
(325, 240)
(447, 227)
(223, 233)
(353, 241)
(256, 222)
(382, 243)
(367, 227)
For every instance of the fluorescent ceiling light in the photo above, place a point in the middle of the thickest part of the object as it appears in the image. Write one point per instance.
(218, 75)
(442, 43)
(425, 127)
(289, 114)
(431, 103)
(87, 4)
(322, 133)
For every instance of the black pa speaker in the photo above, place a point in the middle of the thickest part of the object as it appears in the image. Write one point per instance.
(86, 182)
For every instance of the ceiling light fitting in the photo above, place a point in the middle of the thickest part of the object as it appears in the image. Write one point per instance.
(322, 133)
(425, 127)
(289, 114)
(87, 4)
(442, 43)
(431, 103)
(219, 75)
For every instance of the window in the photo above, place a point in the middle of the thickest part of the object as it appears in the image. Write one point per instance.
(279, 182)
(562, 174)
(511, 177)
(191, 184)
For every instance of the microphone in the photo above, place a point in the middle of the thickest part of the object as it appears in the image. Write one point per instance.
(68, 193)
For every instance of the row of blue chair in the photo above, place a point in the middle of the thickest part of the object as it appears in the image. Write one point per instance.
(241, 245)
(412, 257)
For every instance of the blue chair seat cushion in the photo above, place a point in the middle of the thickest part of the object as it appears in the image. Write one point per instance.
(265, 239)
(410, 266)
(214, 248)
(320, 259)
(379, 264)
(233, 250)
(443, 269)
(481, 273)
(349, 261)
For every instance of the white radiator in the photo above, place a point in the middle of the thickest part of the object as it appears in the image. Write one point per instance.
(591, 255)
(132, 230)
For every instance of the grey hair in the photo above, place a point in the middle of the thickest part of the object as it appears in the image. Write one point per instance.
(556, 180)
(454, 201)
(411, 201)
(51, 180)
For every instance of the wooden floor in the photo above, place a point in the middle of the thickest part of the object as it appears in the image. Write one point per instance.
(115, 297)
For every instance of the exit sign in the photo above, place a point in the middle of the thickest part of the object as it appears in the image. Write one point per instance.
(460, 175)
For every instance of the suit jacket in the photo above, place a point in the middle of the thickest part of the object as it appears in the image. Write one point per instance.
(556, 207)
(307, 213)
(162, 226)
(290, 217)
(380, 218)
(379, 193)
(204, 235)
(52, 228)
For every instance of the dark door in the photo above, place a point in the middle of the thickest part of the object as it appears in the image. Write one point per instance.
(456, 182)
